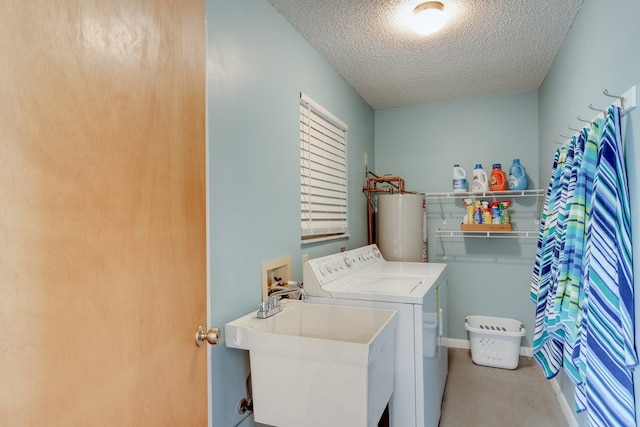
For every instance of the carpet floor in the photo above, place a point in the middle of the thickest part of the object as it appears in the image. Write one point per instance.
(480, 396)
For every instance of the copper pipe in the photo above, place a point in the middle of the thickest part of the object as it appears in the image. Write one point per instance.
(388, 180)
(369, 217)
(374, 189)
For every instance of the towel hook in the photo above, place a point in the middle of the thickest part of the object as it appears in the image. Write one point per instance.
(582, 120)
(601, 110)
(565, 137)
(570, 128)
(621, 98)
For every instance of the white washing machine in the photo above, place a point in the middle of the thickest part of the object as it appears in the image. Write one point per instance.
(417, 291)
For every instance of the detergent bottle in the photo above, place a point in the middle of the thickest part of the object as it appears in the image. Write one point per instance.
(517, 176)
(480, 182)
(459, 179)
(498, 180)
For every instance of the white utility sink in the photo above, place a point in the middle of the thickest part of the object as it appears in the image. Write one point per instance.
(318, 365)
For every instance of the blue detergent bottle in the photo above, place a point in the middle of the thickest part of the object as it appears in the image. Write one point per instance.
(517, 176)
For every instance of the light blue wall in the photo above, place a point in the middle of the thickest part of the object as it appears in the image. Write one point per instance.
(486, 276)
(256, 66)
(600, 52)
(422, 143)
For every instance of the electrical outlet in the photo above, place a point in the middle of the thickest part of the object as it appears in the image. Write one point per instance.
(271, 271)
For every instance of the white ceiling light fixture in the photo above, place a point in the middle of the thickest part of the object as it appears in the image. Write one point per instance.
(429, 17)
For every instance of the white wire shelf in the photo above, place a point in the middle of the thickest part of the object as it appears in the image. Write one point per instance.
(467, 194)
(452, 232)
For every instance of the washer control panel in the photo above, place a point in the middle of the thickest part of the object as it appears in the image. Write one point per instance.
(331, 267)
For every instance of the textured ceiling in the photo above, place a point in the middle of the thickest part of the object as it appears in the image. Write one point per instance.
(488, 47)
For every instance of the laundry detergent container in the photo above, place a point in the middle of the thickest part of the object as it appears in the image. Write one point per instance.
(495, 341)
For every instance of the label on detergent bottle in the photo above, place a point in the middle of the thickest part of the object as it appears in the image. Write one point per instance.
(513, 182)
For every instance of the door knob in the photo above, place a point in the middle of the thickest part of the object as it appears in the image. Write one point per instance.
(212, 336)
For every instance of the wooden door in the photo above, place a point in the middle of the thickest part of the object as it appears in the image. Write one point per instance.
(102, 213)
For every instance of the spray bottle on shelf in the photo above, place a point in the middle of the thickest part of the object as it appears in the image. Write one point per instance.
(486, 213)
(504, 211)
(468, 216)
(477, 213)
(495, 213)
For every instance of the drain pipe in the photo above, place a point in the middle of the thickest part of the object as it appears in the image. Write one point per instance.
(246, 403)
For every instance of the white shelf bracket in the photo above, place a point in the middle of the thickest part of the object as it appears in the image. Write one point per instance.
(444, 254)
(630, 99)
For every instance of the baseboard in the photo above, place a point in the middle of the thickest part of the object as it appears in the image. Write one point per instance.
(525, 351)
(456, 343)
(566, 408)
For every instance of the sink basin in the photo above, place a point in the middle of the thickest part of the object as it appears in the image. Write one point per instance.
(318, 365)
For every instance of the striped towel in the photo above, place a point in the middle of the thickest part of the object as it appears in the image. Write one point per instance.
(582, 281)
(547, 340)
(546, 357)
(609, 346)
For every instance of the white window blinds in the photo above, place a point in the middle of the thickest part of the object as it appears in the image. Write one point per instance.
(323, 172)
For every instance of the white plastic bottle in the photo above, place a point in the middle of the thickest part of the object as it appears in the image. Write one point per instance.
(459, 179)
(517, 176)
(480, 181)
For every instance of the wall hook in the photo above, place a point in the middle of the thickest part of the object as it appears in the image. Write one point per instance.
(570, 128)
(621, 98)
(582, 120)
(565, 137)
(601, 110)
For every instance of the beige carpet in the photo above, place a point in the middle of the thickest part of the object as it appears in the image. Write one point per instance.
(480, 396)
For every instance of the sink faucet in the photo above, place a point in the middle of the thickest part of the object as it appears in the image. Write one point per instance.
(272, 306)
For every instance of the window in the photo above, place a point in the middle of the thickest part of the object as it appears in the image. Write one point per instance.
(323, 172)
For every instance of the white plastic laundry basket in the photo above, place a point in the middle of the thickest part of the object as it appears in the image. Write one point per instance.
(495, 341)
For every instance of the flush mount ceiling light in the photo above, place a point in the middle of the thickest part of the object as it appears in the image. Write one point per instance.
(428, 17)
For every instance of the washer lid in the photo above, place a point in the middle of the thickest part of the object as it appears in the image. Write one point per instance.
(403, 268)
(382, 288)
